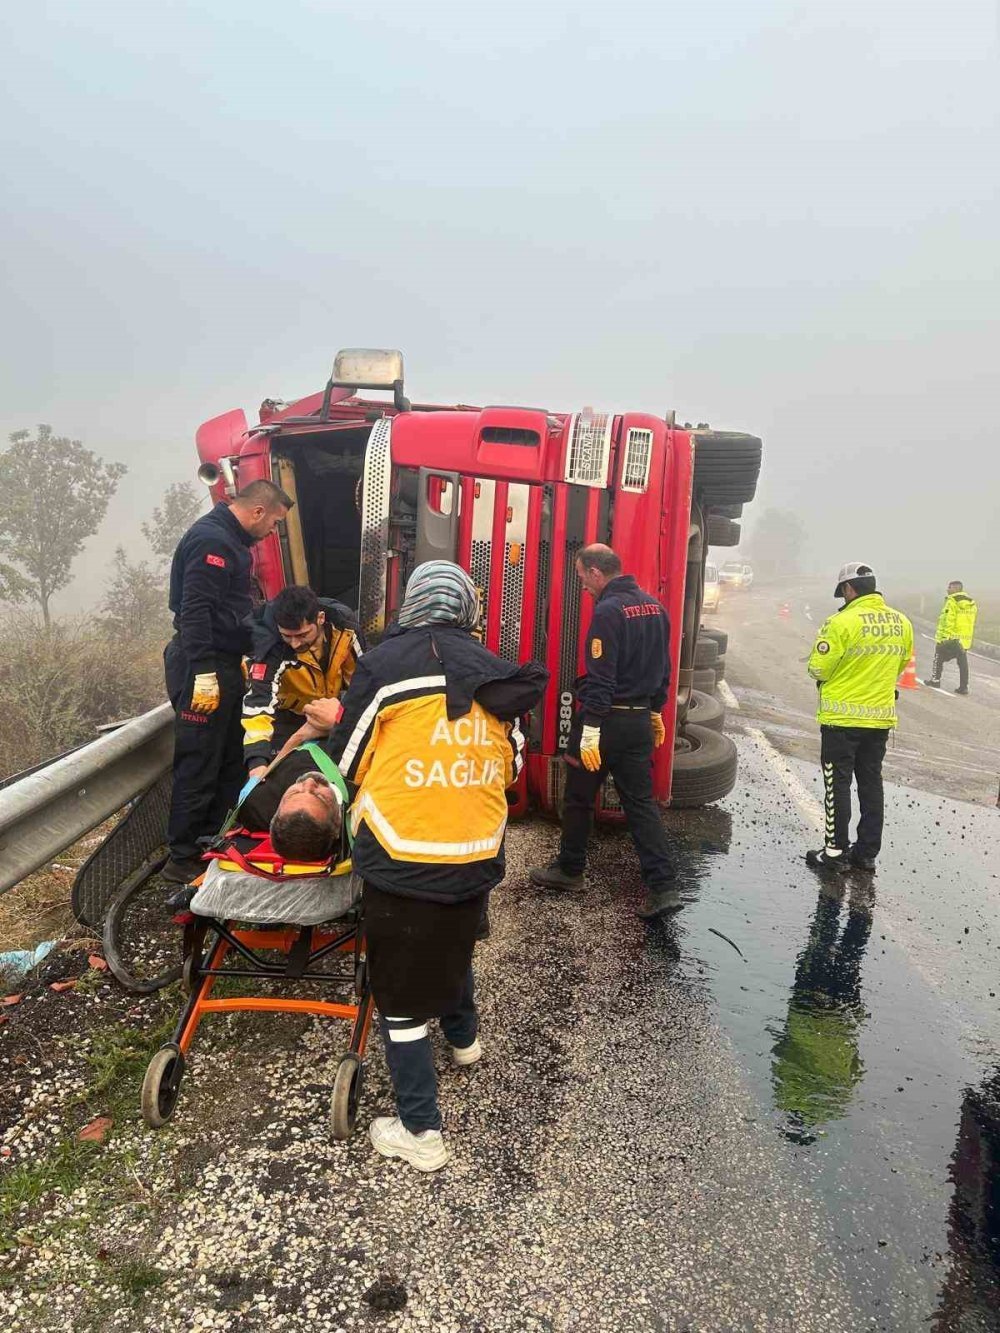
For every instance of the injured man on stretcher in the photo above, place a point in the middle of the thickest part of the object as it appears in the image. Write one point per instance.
(278, 855)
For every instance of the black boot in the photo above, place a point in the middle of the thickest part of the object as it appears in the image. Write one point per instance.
(553, 876)
(660, 902)
(821, 860)
(184, 870)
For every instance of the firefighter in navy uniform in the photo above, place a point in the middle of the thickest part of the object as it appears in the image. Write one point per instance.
(203, 665)
(858, 656)
(616, 728)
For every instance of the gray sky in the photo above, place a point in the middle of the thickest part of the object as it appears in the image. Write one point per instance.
(775, 216)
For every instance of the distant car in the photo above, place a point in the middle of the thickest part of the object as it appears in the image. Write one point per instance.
(736, 574)
(710, 600)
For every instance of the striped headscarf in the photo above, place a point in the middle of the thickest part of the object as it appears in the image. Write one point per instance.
(440, 593)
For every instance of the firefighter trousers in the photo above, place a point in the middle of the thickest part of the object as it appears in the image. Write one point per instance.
(208, 752)
(627, 754)
(856, 753)
(948, 651)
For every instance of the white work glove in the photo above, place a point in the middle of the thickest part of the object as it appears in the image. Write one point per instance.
(659, 730)
(590, 749)
(205, 695)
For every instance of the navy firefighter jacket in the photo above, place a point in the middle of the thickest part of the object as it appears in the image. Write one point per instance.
(628, 652)
(210, 589)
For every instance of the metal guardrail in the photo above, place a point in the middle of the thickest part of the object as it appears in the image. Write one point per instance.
(48, 810)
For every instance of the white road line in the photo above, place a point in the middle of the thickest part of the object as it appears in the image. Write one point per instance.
(804, 800)
(726, 694)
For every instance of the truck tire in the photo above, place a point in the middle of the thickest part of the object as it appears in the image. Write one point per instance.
(706, 652)
(703, 678)
(706, 711)
(719, 667)
(719, 635)
(726, 466)
(727, 511)
(722, 531)
(704, 767)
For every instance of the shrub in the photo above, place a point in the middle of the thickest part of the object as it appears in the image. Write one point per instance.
(59, 684)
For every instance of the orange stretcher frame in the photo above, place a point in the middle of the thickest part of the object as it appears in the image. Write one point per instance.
(301, 949)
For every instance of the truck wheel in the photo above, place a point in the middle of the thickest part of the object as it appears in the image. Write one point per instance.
(703, 678)
(726, 466)
(719, 667)
(706, 711)
(704, 767)
(727, 511)
(722, 531)
(719, 635)
(706, 652)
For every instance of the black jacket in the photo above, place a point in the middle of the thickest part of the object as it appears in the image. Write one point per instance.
(210, 589)
(628, 651)
(430, 737)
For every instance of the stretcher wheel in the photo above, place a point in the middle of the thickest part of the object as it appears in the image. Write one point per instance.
(161, 1086)
(346, 1096)
(188, 978)
(361, 976)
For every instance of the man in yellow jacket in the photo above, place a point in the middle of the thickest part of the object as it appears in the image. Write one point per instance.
(856, 660)
(955, 630)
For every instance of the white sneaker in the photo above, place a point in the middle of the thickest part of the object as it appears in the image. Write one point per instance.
(467, 1055)
(391, 1138)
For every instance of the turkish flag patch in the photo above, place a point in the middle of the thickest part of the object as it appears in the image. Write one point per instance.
(216, 560)
(258, 671)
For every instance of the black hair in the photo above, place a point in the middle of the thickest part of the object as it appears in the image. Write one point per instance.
(295, 605)
(298, 836)
(267, 494)
(862, 584)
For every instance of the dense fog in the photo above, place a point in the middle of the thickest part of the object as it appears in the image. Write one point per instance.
(772, 216)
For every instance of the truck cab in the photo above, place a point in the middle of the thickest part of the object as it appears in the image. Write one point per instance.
(510, 494)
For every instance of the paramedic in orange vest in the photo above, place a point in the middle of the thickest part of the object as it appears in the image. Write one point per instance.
(430, 736)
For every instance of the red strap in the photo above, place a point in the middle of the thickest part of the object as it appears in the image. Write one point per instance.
(232, 853)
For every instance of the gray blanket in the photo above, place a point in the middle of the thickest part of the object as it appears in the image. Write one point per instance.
(299, 900)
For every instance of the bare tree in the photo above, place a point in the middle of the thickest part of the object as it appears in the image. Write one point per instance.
(54, 494)
(172, 518)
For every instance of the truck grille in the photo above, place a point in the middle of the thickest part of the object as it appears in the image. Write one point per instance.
(638, 452)
(589, 451)
(512, 595)
(376, 494)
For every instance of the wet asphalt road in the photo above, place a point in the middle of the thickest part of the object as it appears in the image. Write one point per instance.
(664, 1134)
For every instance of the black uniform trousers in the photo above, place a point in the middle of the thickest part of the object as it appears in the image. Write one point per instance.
(846, 753)
(208, 752)
(951, 650)
(627, 754)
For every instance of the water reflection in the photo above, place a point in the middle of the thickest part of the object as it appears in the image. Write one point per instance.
(816, 1065)
(970, 1297)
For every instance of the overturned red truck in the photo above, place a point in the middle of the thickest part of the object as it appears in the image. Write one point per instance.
(510, 493)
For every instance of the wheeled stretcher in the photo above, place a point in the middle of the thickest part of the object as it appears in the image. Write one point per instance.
(254, 917)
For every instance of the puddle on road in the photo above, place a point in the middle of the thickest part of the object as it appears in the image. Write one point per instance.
(866, 1015)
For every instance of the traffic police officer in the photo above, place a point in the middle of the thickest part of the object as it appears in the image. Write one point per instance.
(858, 656)
(956, 628)
(616, 727)
(210, 599)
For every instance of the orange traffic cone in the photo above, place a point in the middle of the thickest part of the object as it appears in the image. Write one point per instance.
(785, 611)
(908, 680)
